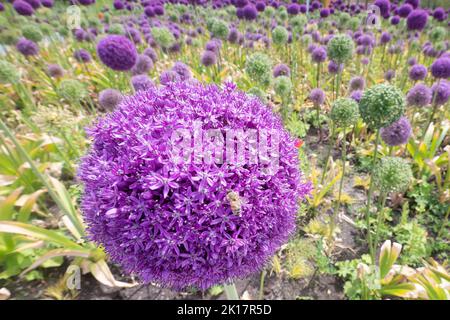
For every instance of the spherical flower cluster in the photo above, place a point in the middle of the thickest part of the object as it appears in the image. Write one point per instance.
(82, 55)
(417, 20)
(381, 105)
(141, 82)
(356, 95)
(259, 67)
(27, 47)
(397, 133)
(440, 92)
(439, 14)
(319, 54)
(437, 34)
(23, 8)
(168, 76)
(384, 6)
(282, 86)
(344, 112)
(71, 90)
(151, 53)
(340, 48)
(109, 99)
(419, 96)
(55, 70)
(281, 70)
(441, 68)
(357, 83)
(404, 10)
(117, 52)
(220, 29)
(182, 70)
(208, 58)
(175, 223)
(317, 96)
(163, 37)
(32, 33)
(392, 174)
(249, 12)
(280, 35)
(257, 92)
(8, 72)
(143, 65)
(418, 72)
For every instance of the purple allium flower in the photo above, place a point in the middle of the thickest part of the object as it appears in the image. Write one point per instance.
(384, 6)
(182, 70)
(385, 37)
(260, 6)
(319, 54)
(27, 47)
(356, 95)
(23, 8)
(439, 14)
(405, 10)
(357, 83)
(168, 76)
(389, 75)
(118, 5)
(412, 61)
(325, 12)
(172, 223)
(47, 3)
(149, 11)
(82, 55)
(417, 72)
(55, 70)
(414, 3)
(233, 35)
(141, 82)
(417, 20)
(250, 12)
(441, 68)
(281, 70)
(317, 96)
(293, 9)
(143, 65)
(397, 133)
(395, 20)
(109, 99)
(333, 67)
(151, 53)
(419, 96)
(117, 52)
(208, 58)
(34, 3)
(214, 45)
(440, 92)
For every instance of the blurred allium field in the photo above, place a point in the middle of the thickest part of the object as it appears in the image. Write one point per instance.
(235, 149)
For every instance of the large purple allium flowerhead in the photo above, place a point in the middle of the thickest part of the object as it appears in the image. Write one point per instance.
(440, 92)
(208, 58)
(250, 12)
(417, 20)
(419, 96)
(143, 65)
(23, 8)
(395, 20)
(118, 5)
(356, 95)
(414, 3)
(141, 82)
(293, 8)
(281, 70)
(55, 70)
(151, 53)
(183, 223)
(109, 99)
(397, 133)
(34, 3)
(441, 68)
(317, 96)
(439, 14)
(168, 76)
(418, 72)
(117, 52)
(385, 37)
(27, 47)
(357, 83)
(404, 10)
(182, 70)
(82, 55)
(47, 3)
(384, 6)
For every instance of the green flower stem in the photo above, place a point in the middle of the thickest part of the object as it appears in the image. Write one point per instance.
(327, 157)
(261, 284)
(434, 109)
(369, 197)
(231, 292)
(380, 220)
(341, 184)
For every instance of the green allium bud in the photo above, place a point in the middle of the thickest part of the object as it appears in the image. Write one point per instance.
(344, 19)
(340, 48)
(437, 34)
(306, 39)
(220, 29)
(257, 92)
(440, 46)
(72, 90)
(9, 37)
(8, 72)
(63, 31)
(283, 15)
(116, 28)
(31, 32)
(299, 21)
(354, 23)
(392, 174)
(209, 23)
(46, 29)
(344, 112)
(283, 86)
(381, 105)
(259, 68)
(163, 37)
(269, 11)
(280, 35)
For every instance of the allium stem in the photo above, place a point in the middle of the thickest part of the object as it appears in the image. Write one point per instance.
(369, 197)
(433, 112)
(261, 284)
(338, 200)
(327, 157)
(231, 292)
(380, 219)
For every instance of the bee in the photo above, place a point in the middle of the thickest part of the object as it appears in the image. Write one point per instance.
(235, 202)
